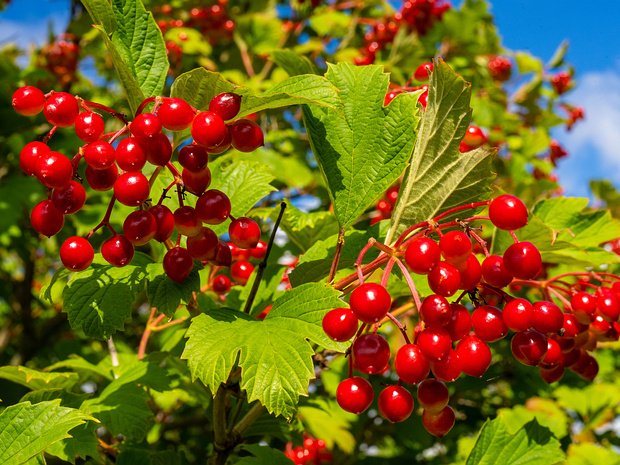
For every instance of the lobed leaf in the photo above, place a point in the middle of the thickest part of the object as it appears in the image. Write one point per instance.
(293, 63)
(36, 380)
(165, 294)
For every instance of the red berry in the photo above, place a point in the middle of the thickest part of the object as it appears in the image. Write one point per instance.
(507, 212)
(53, 169)
(474, 355)
(529, 347)
(140, 227)
(70, 198)
(89, 126)
(61, 109)
(395, 403)
(455, 246)
(145, 125)
(76, 253)
(607, 306)
(488, 323)
(244, 233)
(421, 73)
(28, 101)
(186, 221)
(196, 183)
(158, 149)
(178, 264)
(131, 189)
(438, 424)
(29, 156)
(130, 155)
(203, 246)
(444, 279)
(223, 256)
(259, 251)
(470, 273)
(500, 68)
(246, 135)
(448, 369)
(411, 366)
(241, 271)
(340, 324)
(99, 155)
(226, 105)
(222, 146)
(354, 395)
(165, 222)
(548, 318)
(435, 343)
(371, 353)
(571, 326)
(494, 273)
(553, 355)
(193, 158)
(422, 255)
(213, 207)
(101, 180)
(46, 219)
(175, 114)
(370, 302)
(117, 251)
(433, 395)
(221, 284)
(459, 325)
(208, 129)
(436, 310)
(522, 260)
(518, 315)
(474, 137)
(584, 307)
(553, 374)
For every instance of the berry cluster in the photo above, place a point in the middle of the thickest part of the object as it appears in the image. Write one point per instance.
(562, 82)
(212, 21)
(450, 338)
(240, 268)
(60, 58)
(500, 68)
(313, 452)
(119, 168)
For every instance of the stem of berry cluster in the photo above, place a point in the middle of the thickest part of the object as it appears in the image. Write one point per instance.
(402, 329)
(263, 264)
(106, 219)
(146, 102)
(336, 260)
(88, 106)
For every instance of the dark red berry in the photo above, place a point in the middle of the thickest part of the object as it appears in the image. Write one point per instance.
(208, 129)
(158, 149)
(221, 284)
(529, 347)
(433, 395)
(340, 324)
(145, 125)
(436, 310)
(178, 264)
(518, 315)
(46, 219)
(76, 253)
(455, 246)
(435, 343)
(507, 212)
(607, 306)
(101, 180)
(99, 155)
(132, 189)
(28, 101)
(448, 369)
(89, 126)
(140, 227)
(459, 325)
(371, 353)
(29, 156)
(494, 273)
(411, 366)
(196, 183)
(553, 374)
(422, 255)
(222, 146)
(117, 251)
(553, 355)
(444, 279)
(241, 271)
(370, 302)
(129, 155)
(226, 105)
(193, 158)
(522, 260)
(203, 246)
(70, 198)
(470, 272)
(354, 395)
(175, 114)
(186, 221)
(165, 222)
(246, 135)
(395, 403)
(213, 207)
(571, 326)
(488, 323)
(53, 169)
(584, 307)
(224, 256)
(61, 109)
(438, 424)
(244, 233)
(548, 318)
(474, 355)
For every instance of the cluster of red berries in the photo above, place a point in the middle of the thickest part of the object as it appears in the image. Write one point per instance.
(313, 452)
(385, 205)
(240, 269)
(474, 138)
(147, 143)
(574, 114)
(212, 21)
(500, 68)
(421, 15)
(450, 339)
(60, 58)
(421, 74)
(562, 82)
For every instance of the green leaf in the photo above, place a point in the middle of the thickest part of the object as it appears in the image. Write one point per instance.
(131, 455)
(291, 62)
(558, 56)
(99, 299)
(593, 403)
(334, 23)
(275, 355)
(26, 430)
(36, 380)
(101, 13)
(306, 229)
(67, 399)
(532, 444)
(591, 454)
(46, 291)
(323, 418)
(267, 289)
(527, 63)
(165, 294)
(439, 177)
(362, 154)
(262, 455)
(82, 443)
(546, 412)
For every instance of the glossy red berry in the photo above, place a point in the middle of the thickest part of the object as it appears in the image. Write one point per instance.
(422, 72)
(221, 284)
(474, 355)
(584, 307)
(117, 251)
(28, 101)
(395, 403)
(158, 149)
(529, 347)
(444, 279)
(186, 221)
(371, 354)
(145, 125)
(522, 260)
(470, 273)
(474, 137)
(165, 222)
(46, 219)
(175, 114)
(518, 315)
(244, 232)
(553, 374)
(223, 256)
(494, 273)
(29, 156)
(76, 253)
(130, 155)
(410, 365)
(439, 424)
(61, 109)
(354, 395)
(571, 326)
(436, 310)
(259, 251)
(178, 264)
(89, 126)
(70, 198)
(455, 246)
(435, 343)
(53, 169)
(99, 155)
(140, 227)
(422, 255)
(226, 105)
(203, 246)
(101, 180)
(241, 271)
(370, 302)
(340, 324)
(488, 323)
(213, 207)
(548, 318)
(132, 189)
(507, 212)
(246, 135)
(553, 355)
(196, 183)
(448, 369)
(607, 306)
(433, 395)
(459, 325)
(222, 146)
(208, 129)
(193, 158)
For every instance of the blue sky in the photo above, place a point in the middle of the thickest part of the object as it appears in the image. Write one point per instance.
(538, 27)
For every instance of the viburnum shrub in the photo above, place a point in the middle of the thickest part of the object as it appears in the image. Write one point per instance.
(321, 232)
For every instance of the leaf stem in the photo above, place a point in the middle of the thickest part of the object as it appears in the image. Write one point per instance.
(334, 268)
